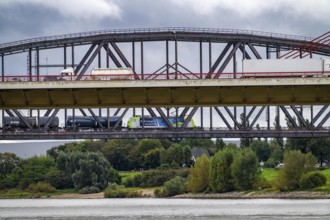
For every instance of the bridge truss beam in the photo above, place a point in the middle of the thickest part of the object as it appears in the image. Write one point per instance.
(115, 43)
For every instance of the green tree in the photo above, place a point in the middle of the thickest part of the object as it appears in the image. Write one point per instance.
(295, 165)
(198, 179)
(219, 144)
(93, 171)
(297, 144)
(276, 155)
(69, 162)
(137, 155)
(59, 179)
(152, 158)
(245, 141)
(146, 145)
(197, 143)
(220, 178)
(163, 157)
(117, 152)
(35, 169)
(8, 162)
(114, 176)
(245, 169)
(261, 148)
(186, 155)
(175, 154)
(320, 148)
(278, 140)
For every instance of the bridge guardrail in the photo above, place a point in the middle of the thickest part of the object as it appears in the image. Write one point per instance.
(165, 76)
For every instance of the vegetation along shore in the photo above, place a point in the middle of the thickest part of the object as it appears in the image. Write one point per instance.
(187, 168)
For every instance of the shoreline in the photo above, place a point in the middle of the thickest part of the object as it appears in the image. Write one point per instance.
(258, 195)
(227, 195)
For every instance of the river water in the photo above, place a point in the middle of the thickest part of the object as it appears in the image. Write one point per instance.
(150, 208)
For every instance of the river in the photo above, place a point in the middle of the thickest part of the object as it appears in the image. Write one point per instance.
(151, 208)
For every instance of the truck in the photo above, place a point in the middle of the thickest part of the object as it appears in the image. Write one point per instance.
(95, 74)
(286, 68)
(111, 74)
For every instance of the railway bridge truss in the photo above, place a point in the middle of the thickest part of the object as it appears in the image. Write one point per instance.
(177, 55)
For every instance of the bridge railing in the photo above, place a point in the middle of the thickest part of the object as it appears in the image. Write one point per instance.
(165, 76)
(155, 30)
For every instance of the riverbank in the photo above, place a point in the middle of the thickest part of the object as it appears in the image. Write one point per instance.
(258, 195)
(228, 195)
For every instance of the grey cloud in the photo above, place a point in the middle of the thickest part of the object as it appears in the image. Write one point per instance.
(26, 20)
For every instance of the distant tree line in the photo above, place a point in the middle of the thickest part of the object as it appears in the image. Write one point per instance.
(89, 166)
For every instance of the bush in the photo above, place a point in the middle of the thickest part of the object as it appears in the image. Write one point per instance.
(89, 189)
(295, 165)
(40, 187)
(244, 169)
(172, 187)
(312, 179)
(154, 178)
(114, 175)
(134, 181)
(114, 186)
(198, 179)
(220, 177)
(121, 193)
(59, 179)
(158, 192)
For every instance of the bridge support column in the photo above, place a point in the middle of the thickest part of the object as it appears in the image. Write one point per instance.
(64, 58)
(72, 56)
(3, 67)
(142, 61)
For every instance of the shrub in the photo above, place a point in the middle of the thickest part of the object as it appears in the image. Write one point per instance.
(295, 165)
(158, 192)
(40, 187)
(199, 175)
(59, 179)
(312, 179)
(114, 175)
(244, 169)
(89, 189)
(154, 178)
(220, 177)
(93, 171)
(134, 181)
(114, 186)
(172, 187)
(121, 193)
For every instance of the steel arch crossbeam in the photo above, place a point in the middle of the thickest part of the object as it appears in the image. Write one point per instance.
(161, 34)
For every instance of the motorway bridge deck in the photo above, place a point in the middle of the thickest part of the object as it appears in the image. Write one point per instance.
(152, 93)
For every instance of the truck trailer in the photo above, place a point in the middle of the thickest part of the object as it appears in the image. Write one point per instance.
(286, 68)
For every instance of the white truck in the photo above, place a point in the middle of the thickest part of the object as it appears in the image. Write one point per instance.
(96, 74)
(111, 74)
(286, 68)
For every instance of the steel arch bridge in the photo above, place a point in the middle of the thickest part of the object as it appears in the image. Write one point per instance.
(207, 53)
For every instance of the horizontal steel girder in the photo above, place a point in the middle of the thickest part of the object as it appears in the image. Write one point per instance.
(163, 133)
(153, 93)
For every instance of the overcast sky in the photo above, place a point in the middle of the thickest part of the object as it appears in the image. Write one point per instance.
(22, 19)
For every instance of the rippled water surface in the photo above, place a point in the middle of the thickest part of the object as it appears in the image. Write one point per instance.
(163, 209)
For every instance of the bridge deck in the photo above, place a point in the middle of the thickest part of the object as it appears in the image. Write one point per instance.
(144, 93)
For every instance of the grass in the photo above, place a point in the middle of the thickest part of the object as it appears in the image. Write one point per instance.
(128, 174)
(18, 193)
(270, 174)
